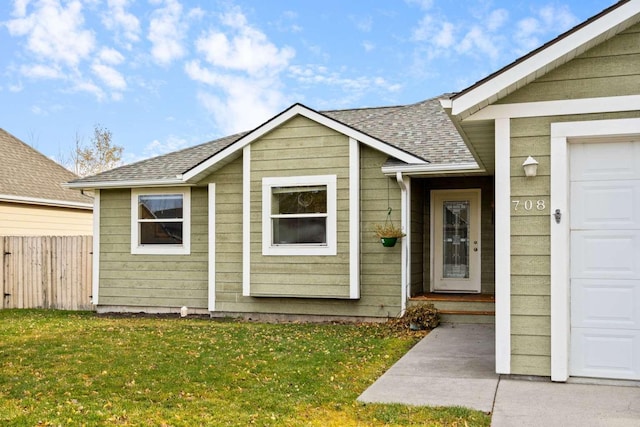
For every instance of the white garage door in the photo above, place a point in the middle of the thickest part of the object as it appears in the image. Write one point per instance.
(605, 259)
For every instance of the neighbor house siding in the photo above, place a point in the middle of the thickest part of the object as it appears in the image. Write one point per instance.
(609, 69)
(380, 272)
(18, 219)
(300, 147)
(166, 281)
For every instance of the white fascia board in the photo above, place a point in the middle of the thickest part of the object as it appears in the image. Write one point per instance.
(126, 184)
(301, 110)
(545, 57)
(563, 107)
(433, 168)
(45, 202)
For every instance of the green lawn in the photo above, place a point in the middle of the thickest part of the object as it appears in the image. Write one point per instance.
(70, 368)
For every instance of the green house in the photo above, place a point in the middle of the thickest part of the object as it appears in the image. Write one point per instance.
(278, 222)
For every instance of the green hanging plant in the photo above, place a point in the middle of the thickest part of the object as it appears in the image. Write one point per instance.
(387, 232)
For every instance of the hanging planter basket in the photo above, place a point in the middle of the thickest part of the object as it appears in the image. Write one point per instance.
(388, 242)
(388, 233)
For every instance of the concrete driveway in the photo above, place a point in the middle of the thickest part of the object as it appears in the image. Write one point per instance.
(454, 366)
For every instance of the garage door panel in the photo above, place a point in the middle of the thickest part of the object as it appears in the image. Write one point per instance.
(605, 353)
(605, 259)
(608, 204)
(608, 161)
(605, 254)
(605, 303)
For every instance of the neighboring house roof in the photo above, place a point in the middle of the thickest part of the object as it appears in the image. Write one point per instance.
(546, 58)
(420, 133)
(28, 176)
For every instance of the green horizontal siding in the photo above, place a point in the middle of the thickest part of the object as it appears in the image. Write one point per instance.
(150, 280)
(609, 69)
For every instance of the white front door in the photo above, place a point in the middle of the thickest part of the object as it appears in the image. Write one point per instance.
(605, 259)
(455, 240)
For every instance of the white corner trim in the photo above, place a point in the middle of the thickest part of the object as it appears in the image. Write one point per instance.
(185, 247)
(95, 267)
(354, 219)
(561, 136)
(503, 245)
(211, 301)
(557, 50)
(557, 108)
(246, 221)
(404, 182)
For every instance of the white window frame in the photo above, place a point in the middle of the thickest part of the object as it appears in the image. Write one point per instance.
(162, 249)
(330, 248)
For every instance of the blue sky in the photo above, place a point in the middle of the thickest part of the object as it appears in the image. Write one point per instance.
(167, 74)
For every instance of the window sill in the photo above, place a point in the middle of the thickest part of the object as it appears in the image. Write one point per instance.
(160, 250)
(299, 250)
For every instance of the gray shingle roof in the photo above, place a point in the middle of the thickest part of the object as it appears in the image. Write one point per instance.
(27, 173)
(422, 129)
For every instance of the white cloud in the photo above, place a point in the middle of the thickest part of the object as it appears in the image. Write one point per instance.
(246, 49)
(478, 41)
(110, 56)
(54, 32)
(548, 22)
(109, 76)
(445, 37)
(39, 71)
(167, 31)
(353, 87)
(368, 46)
(172, 143)
(363, 23)
(496, 19)
(125, 24)
(423, 4)
(242, 69)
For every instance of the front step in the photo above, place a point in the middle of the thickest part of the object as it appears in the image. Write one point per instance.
(461, 308)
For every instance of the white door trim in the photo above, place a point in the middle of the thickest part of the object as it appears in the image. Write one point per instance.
(563, 134)
(475, 263)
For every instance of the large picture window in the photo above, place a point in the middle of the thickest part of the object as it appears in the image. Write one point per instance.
(160, 221)
(299, 215)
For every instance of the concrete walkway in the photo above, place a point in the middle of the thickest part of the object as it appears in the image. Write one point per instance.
(454, 366)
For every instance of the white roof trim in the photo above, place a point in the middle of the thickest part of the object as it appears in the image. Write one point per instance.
(554, 52)
(44, 202)
(293, 111)
(126, 184)
(432, 168)
(557, 108)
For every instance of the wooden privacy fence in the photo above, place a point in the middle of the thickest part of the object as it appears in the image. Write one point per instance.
(46, 272)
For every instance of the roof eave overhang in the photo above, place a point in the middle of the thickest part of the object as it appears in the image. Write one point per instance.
(206, 167)
(45, 202)
(126, 184)
(559, 51)
(434, 169)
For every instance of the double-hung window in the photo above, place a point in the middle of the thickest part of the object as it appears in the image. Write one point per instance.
(299, 215)
(160, 221)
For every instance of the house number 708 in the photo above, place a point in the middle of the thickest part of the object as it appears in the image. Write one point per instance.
(529, 205)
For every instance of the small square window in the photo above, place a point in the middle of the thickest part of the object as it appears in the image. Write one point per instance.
(160, 221)
(299, 215)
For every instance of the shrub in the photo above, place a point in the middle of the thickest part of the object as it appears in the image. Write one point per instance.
(422, 316)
